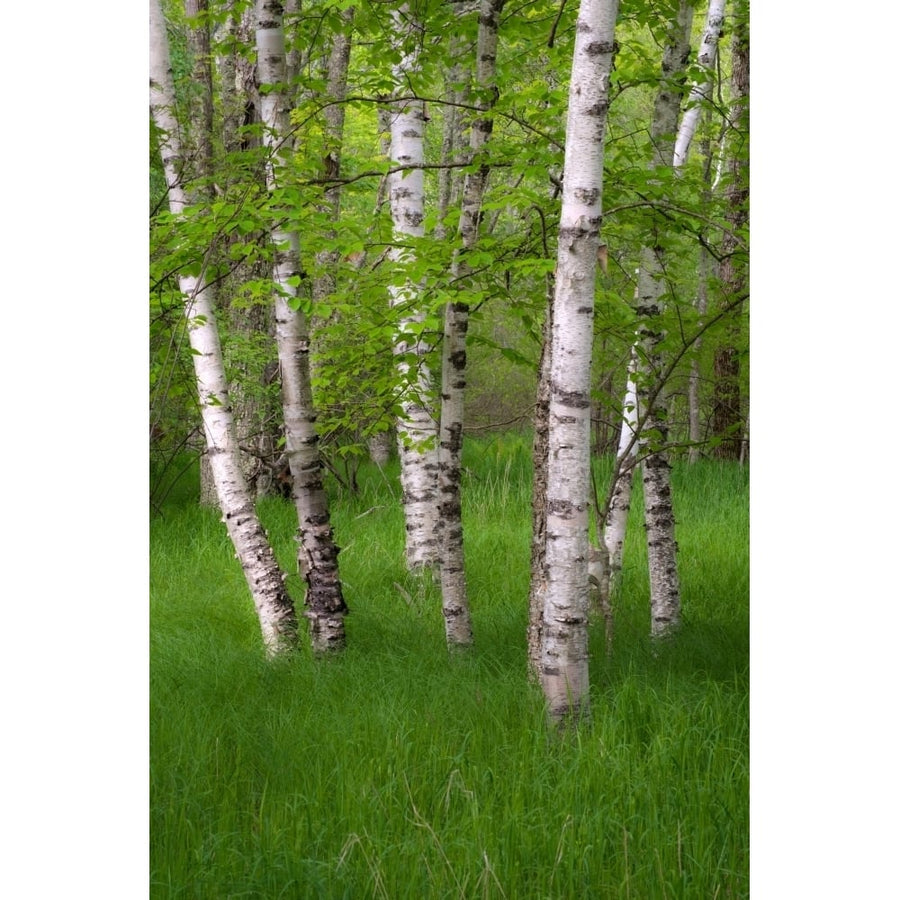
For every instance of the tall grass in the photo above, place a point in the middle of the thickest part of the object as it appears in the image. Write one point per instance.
(398, 771)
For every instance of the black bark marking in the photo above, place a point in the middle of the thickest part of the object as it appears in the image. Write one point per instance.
(564, 509)
(599, 109)
(575, 399)
(596, 48)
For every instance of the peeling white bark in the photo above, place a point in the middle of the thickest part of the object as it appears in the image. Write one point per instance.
(659, 519)
(706, 57)
(455, 602)
(564, 651)
(620, 501)
(540, 460)
(264, 578)
(417, 423)
(317, 561)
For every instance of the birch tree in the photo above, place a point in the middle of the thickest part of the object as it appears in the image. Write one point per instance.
(620, 501)
(200, 125)
(659, 518)
(697, 100)
(248, 328)
(540, 461)
(455, 604)
(265, 580)
(317, 561)
(564, 639)
(417, 423)
(732, 271)
(699, 95)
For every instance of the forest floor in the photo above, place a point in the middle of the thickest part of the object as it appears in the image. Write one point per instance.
(398, 771)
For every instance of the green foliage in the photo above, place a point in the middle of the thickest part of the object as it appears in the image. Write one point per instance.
(397, 771)
(357, 383)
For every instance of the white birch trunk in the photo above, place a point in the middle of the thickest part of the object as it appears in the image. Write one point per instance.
(264, 578)
(706, 57)
(199, 147)
(416, 425)
(455, 603)
(564, 650)
(540, 461)
(732, 266)
(256, 410)
(317, 561)
(620, 500)
(659, 517)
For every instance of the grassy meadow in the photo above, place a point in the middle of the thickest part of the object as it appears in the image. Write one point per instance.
(398, 771)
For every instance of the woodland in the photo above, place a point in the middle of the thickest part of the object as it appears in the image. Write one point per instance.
(449, 444)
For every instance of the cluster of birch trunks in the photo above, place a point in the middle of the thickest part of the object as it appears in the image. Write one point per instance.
(566, 566)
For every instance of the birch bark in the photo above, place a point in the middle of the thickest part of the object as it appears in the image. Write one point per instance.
(274, 607)
(455, 603)
(659, 517)
(564, 652)
(706, 57)
(417, 424)
(540, 460)
(257, 407)
(732, 272)
(199, 140)
(325, 607)
(620, 501)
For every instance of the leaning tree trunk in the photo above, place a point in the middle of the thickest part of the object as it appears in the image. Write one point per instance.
(416, 425)
(726, 420)
(325, 607)
(697, 102)
(264, 578)
(564, 638)
(659, 519)
(616, 518)
(200, 140)
(255, 399)
(706, 57)
(455, 603)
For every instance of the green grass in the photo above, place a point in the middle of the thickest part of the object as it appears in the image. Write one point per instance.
(398, 771)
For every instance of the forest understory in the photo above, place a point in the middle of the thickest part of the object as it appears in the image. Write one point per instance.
(397, 769)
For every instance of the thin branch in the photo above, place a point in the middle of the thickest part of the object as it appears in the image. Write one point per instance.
(552, 37)
(665, 205)
(624, 464)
